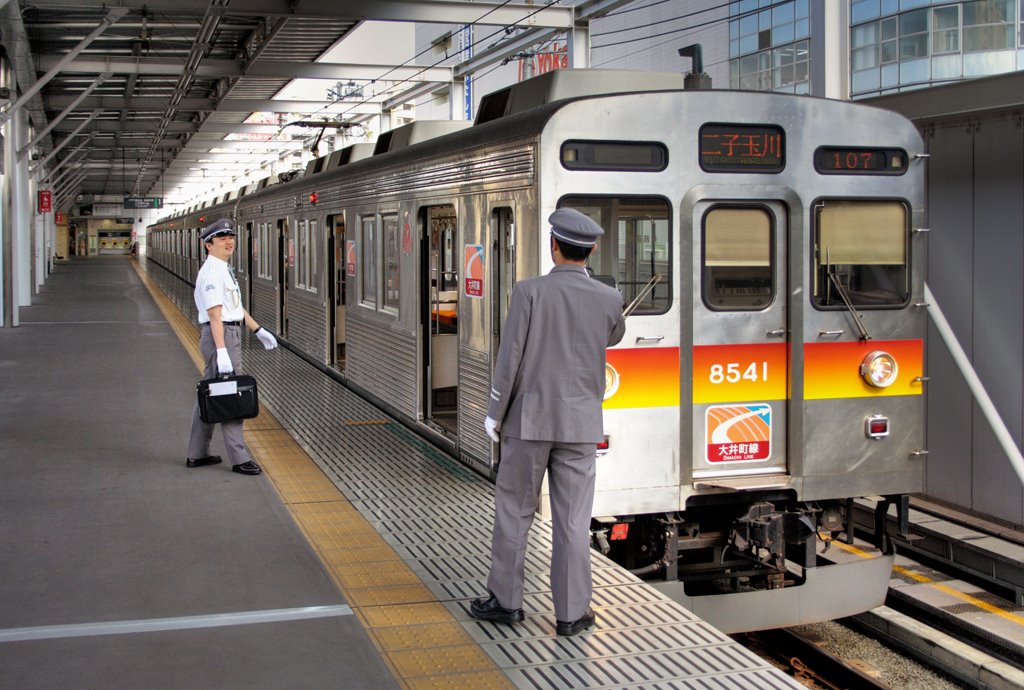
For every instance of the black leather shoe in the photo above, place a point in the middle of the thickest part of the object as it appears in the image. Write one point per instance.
(246, 468)
(490, 610)
(202, 462)
(576, 626)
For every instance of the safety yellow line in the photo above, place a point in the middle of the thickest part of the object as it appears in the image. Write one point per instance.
(418, 638)
(925, 580)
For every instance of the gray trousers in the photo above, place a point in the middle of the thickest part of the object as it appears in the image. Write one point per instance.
(199, 439)
(571, 469)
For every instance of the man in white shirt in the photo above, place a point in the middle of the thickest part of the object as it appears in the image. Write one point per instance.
(221, 317)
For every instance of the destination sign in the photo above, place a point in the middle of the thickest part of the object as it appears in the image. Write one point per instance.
(742, 148)
(143, 202)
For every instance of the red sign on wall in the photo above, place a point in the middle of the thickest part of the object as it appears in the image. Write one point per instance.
(45, 201)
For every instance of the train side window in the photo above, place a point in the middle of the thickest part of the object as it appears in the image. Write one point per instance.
(300, 233)
(862, 246)
(444, 271)
(389, 224)
(368, 260)
(312, 256)
(267, 251)
(737, 269)
(259, 249)
(637, 245)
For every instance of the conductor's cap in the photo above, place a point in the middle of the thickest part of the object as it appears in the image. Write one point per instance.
(573, 227)
(224, 226)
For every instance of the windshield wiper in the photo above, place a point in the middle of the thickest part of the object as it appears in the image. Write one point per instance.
(644, 291)
(841, 289)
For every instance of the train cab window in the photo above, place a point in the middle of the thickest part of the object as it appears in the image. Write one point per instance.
(636, 247)
(368, 260)
(860, 253)
(389, 224)
(736, 274)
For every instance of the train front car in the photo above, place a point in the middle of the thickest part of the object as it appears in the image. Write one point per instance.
(771, 372)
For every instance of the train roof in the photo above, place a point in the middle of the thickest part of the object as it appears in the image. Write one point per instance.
(559, 85)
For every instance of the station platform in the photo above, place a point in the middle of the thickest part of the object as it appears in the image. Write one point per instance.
(350, 563)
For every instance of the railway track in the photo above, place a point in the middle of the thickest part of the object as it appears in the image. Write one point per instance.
(807, 661)
(954, 618)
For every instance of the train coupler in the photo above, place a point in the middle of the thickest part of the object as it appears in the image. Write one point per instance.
(764, 532)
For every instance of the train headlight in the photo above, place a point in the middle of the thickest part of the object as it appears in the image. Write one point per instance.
(611, 381)
(879, 369)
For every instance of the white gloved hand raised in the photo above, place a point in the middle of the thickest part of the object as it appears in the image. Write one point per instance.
(491, 427)
(267, 338)
(224, 365)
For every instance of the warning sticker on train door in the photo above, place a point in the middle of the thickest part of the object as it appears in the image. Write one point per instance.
(738, 433)
(350, 257)
(474, 270)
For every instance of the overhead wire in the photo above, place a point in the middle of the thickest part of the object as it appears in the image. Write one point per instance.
(474, 43)
(685, 15)
(689, 27)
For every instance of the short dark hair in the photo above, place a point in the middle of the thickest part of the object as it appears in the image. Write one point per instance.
(572, 252)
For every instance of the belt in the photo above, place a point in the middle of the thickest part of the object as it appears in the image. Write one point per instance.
(226, 323)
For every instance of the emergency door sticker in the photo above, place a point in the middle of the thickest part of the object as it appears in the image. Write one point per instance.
(350, 257)
(738, 433)
(474, 270)
(406, 235)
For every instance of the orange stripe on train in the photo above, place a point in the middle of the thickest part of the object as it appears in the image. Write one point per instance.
(832, 370)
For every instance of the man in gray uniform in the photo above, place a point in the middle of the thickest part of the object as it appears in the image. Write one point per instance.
(545, 400)
(221, 316)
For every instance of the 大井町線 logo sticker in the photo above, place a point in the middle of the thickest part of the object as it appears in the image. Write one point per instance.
(738, 433)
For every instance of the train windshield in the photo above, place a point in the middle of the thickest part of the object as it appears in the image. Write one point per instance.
(860, 253)
(636, 246)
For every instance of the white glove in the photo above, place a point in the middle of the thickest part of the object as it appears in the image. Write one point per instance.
(267, 338)
(491, 427)
(224, 365)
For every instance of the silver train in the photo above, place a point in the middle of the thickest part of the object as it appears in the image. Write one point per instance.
(770, 250)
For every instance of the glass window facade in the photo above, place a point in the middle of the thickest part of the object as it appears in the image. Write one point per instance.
(899, 44)
(769, 45)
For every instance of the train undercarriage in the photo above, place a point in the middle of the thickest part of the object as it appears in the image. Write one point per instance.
(776, 555)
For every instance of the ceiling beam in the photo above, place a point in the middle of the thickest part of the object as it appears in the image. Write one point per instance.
(227, 105)
(261, 69)
(148, 127)
(29, 91)
(427, 11)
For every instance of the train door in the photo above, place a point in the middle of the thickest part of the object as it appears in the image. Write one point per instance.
(503, 276)
(336, 271)
(285, 261)
(740, 343)
(440, 293)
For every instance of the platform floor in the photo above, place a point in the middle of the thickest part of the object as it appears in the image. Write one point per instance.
(119, 566)
(350, 563)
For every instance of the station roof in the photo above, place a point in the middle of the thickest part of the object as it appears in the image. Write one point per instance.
(139, 97)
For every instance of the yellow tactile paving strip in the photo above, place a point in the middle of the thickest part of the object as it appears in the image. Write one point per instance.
(417, 637)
